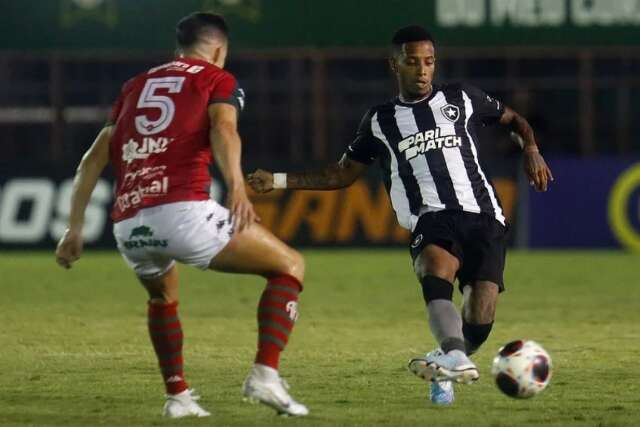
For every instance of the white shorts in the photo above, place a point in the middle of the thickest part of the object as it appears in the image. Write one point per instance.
(191, 233)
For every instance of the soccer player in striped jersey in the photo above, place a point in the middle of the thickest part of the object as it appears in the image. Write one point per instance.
(426, 143)
(165, 128)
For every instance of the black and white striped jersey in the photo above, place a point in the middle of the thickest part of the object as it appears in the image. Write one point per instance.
(428, 152)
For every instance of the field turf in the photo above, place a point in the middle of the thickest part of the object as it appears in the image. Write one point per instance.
(74, 349)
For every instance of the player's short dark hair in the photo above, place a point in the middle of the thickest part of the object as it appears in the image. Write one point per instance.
(411, 33)
(191, 27)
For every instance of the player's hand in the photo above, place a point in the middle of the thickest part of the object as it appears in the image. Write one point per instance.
(241, 209)
(261, 181)
(69, 247)
(537, 171)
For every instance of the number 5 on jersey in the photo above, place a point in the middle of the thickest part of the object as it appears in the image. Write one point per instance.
(148, 99)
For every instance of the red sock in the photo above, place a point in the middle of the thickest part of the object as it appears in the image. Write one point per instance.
(277, 313)
(165, 331)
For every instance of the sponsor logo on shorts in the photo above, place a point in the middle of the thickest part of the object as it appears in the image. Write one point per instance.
(416, 242)
(292, 309)
(141, 237)
(139, 244)
(142, 231)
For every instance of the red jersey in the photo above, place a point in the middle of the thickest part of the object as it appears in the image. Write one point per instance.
(160, 148)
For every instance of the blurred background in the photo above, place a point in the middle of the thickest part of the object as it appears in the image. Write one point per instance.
(310, 70)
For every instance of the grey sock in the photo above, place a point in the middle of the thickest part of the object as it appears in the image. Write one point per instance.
(446, 325)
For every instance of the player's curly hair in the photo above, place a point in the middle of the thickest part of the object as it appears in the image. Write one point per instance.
(411, 33)
(190, 28)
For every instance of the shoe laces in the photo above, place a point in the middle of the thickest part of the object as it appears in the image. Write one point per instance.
(435, 353)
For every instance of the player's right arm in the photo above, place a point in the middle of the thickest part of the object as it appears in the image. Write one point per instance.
(333, 177)
(361, 152)
(491, 111)
(89, 170)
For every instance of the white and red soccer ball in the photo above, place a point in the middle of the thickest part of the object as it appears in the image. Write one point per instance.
(522, 369)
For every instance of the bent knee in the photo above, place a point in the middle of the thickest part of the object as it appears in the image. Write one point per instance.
(436, 261)
(162, 299)
(424, 268)
(162, 289)
(296, 265)
(291, 263)
(159, 294)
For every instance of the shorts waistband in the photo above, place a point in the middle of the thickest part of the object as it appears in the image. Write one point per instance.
(186, 205)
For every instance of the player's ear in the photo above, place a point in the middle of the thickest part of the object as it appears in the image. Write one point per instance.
(217, 54)
(393, 65)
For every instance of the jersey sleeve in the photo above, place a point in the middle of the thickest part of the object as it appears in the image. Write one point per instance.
(116, 108)
(226, 91)
(364, 148)
(488, 109)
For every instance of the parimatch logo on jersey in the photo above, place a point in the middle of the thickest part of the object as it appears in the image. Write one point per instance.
(142, 237)
(421, 142)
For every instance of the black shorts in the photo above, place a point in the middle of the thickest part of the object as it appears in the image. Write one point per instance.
(477, 240)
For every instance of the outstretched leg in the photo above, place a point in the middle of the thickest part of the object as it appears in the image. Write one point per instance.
(436, 269)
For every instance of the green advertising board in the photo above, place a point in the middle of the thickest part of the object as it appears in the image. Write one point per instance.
(148, 24)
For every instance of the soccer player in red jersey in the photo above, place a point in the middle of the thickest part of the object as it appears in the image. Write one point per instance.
(165, 128)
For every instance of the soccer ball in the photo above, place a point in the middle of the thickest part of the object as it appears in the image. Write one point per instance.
(522, 369)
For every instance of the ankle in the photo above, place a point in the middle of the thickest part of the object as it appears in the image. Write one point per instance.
(184, 395)
(265, 372)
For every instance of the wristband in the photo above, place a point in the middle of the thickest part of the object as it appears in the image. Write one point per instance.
(279, 181)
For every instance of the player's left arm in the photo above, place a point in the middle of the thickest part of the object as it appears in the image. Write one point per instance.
(535, 167)
(226, 146)
(89, 170)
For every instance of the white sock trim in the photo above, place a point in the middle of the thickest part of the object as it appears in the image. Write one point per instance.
(265, 372)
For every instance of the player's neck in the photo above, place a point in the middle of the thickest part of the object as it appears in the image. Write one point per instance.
(196, 54)
(409, 99)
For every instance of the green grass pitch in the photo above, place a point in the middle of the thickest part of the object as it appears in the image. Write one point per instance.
(74, 347)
